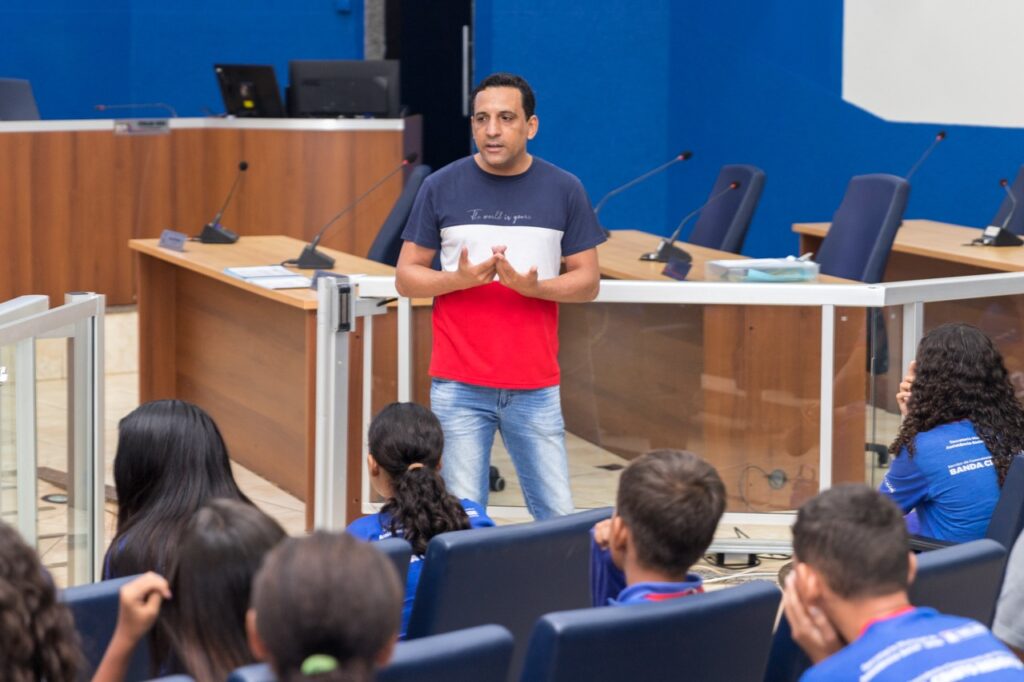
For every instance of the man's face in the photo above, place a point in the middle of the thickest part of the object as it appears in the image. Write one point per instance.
(501, 129)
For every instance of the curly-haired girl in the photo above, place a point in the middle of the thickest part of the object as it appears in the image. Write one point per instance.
(962, 427)
(405, 443)
(37, 633)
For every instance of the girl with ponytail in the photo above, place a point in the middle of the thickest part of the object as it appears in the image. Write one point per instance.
(405, 443)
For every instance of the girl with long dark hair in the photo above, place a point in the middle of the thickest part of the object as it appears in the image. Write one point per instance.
(37, 633)
(325, 608)
(405, 443)
(170, 460)
(201, 630)
(962, 427)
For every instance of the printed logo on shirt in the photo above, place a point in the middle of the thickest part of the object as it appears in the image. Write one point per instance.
(896, 652)
(479, 214)
(964, 442)
(969, 465)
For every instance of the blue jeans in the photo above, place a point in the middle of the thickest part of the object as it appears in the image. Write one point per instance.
(531, 426)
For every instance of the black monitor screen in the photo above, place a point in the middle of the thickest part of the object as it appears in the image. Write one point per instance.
(249, 90)
(344, 88)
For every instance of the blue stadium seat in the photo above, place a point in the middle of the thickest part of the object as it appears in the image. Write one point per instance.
(257, 672)
(399, 552)
(723, 224)
(388, 242)
(17, 103)
(721, 635)
(509, 575)
(95, 608)
(941, 577)
(863, 228)
(480, 654)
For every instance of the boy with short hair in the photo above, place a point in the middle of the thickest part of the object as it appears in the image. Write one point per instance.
(667, 509)
(846, 600)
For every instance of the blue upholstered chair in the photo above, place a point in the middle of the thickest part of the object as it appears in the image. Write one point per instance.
(721, 635)
(257, 672)
(480, 654)
(941, 577)
(388, 242)
(94, 608)
(399, 552)
(509, 575)
(17, 103)
(723, 224)
(1016, 223)
(863, 228)
(174, 678)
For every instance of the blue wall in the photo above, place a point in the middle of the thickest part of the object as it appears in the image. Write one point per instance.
(78, 54)
(623, 86)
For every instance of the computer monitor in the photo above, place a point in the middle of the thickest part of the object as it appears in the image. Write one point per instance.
(249, 90)
(344, 88)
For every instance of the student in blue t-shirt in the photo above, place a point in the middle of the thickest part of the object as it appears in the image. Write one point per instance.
(405, 442)
(666, 512)
(962, 426)
(846, 601)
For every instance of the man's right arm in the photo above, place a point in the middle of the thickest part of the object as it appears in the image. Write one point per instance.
(417, 279)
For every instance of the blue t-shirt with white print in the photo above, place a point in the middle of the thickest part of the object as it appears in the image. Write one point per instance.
(375, 527)
(950, 483)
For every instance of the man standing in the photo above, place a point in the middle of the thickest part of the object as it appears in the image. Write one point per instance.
(503, 221)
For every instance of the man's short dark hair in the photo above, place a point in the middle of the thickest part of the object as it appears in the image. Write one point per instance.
(671, 501)
(856, 538)
(508, 80)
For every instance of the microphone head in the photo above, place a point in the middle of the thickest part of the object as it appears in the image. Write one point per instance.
(1003, 182)
(685, 155)
(941, 135)
(243, 165)
(100, 107)
(734, 185)
(411, 158)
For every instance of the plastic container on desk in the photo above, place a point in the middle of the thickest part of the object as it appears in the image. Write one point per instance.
(775, 270)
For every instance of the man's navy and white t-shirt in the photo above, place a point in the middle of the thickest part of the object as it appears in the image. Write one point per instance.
(950, 483)
(490, 335)
(921, 645)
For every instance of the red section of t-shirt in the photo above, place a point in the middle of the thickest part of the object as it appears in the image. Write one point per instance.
(492, 336)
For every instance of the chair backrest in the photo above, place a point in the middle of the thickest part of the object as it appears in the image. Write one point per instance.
(863, 228)
(399, 552)
(510, 575)
(94, 608)
(388, 242)
(174, 678)
(1016, 222)
(17, 103)
(942, 575)
(480, 654)
(256, 672)
(1008, 517)
(723, 224)
(692, 638)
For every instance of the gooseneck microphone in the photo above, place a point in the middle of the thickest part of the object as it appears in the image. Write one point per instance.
(215, 233)
(666, 249)
(310, 258)
(939, 137)
(681, 156)
(998, 235)
(1013, 202)
(140, 105)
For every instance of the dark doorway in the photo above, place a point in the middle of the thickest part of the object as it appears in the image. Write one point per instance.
(433, 40)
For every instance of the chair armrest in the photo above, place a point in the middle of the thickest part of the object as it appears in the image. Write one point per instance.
(920, 543)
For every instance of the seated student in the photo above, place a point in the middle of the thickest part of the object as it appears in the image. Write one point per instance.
(405, 443)
(37, 633)
(325, 607)
(201, 631)
(962, 427)
(170, 461)
(666, 512)
(846, 600)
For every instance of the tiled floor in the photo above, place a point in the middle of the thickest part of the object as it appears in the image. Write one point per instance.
(592, 484)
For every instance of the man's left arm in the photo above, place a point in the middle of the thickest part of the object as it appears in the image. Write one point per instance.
(578, 284)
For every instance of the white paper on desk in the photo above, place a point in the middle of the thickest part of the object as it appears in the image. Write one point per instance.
(249, 272)
(288, 282)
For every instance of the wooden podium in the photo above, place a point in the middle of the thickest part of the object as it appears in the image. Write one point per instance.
(75, 192)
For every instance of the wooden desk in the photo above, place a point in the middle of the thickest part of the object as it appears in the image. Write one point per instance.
(739, 385)
(246, 354)
(74, 192)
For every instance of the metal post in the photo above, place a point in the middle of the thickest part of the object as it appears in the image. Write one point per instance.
(332, 364)
(913, 330)
(405, 349)
(25, 438)
(828, 337)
